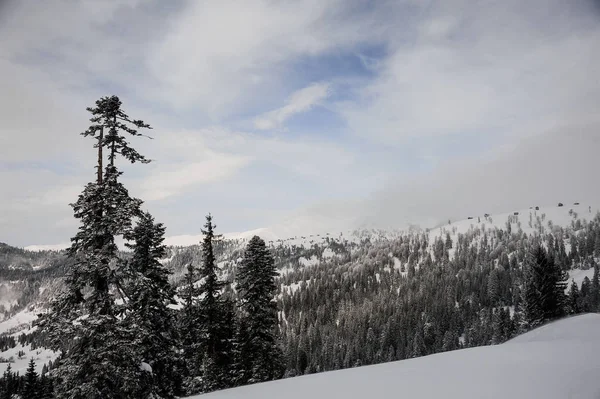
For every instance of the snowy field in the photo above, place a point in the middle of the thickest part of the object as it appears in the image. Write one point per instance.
(557, 361)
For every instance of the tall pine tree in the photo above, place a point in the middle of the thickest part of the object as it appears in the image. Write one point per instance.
(260, 358)
(85, 323)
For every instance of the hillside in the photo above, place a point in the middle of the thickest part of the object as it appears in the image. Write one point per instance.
(365, 296)
(557, 361)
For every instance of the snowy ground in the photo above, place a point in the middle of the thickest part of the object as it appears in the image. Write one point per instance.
(19, 364)
(578, 276)
(16, 325)
(557, 361)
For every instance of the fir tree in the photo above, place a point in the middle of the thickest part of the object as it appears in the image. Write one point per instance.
(99, 359)
(261, 358)
(150, 293)
(31, 388)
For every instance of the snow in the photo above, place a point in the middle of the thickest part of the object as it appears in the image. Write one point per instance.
(185, 240)
(146, 367)
(558, 215)
(579, 275)
(328, 253)
(292, 288)
(308, 262)
(49, 247)
(19, 321)
(556, 361)
(18, 364)
(397, 264)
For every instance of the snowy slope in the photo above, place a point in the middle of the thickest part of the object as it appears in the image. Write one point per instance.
(557, 361)
(560, 216)
(18, 324)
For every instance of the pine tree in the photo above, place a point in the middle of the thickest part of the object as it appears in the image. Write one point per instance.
(544, 288)
(216, 344)
(256, 287)
(150, 293)
(31, 387)
(85, 322)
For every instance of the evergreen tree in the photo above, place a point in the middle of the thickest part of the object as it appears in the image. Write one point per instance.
(595, 290)
(99, 359)
(46, 388)
(150, 293)
(9, 386)
(190, 334)
(216, 344)
(544, 288)
(31, 388)
(573, 299)
(256, 286)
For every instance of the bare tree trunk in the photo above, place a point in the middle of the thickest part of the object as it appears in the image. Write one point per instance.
(112, 150)
(100, 137)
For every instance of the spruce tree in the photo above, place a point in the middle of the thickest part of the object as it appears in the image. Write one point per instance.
(260, 355)
(85, 322)
(215, 340)
(150, 293)
(31, 387)
(544, 288)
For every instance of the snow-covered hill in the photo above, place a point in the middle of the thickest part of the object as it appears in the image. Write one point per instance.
(297, 232)
(295, 256)
(557, 361)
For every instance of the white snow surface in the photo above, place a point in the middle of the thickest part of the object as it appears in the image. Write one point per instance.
(18, 322)
(578, 275)
(556, 361)
(18, 364)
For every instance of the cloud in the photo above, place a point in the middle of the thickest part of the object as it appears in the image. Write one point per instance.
(483, 69)
(427, 96)
(177, 178)
(218, 55)
(300, 101)
(558, 165)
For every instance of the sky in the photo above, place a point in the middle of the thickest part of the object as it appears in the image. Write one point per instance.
(301, 116)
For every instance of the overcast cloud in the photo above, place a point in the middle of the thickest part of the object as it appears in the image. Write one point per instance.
(308, 115)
